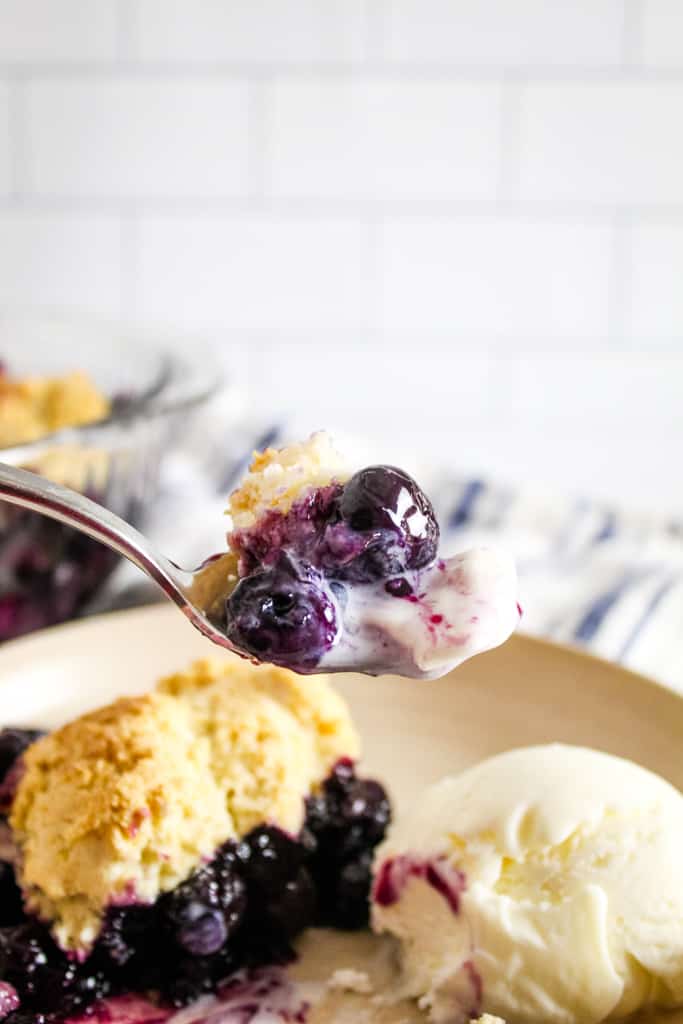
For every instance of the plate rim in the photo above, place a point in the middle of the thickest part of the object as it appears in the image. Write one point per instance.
(12, 650)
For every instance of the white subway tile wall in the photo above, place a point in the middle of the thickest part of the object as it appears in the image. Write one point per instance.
(68, 261)
(655, 299)
(504, 32)
(128, 137)
(383, 140)
(481, 196)
(250, 31)
(601, 142)
(253, 272)
(504, 277)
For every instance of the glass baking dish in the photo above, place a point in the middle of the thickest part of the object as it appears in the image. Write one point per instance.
(48, 572)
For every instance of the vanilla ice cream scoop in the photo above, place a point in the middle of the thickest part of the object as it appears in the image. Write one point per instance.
(543, 885)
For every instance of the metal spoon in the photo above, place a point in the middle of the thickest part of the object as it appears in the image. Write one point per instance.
(473, 595)
(194, 592)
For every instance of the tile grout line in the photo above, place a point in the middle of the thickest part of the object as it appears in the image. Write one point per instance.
(579, 212)
(375, 15)
(632, 36)
(126, 33)
(438, 72)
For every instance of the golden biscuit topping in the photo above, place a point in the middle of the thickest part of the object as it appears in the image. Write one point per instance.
(124, 803)
(279, 477)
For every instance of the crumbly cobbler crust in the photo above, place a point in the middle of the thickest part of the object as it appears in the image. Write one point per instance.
(278, 477)
(123, 803)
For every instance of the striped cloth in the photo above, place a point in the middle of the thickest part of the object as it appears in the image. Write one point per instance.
(591, 575)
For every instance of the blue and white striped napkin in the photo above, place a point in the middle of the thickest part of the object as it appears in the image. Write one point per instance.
(595, 576)
(591, 575)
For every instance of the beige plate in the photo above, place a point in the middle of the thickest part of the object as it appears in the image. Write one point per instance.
(413, 732)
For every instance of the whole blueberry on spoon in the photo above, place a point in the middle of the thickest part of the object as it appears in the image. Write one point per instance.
(283, 616)
(395, 520)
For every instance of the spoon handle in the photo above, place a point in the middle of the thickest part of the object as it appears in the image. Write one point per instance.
(19, 487)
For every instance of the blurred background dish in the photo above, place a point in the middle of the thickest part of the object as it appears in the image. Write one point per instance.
(139, 396)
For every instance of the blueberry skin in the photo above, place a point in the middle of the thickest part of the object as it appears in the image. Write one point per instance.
(294, 908)
(345, 820)
(349, 908)
(271, 859)
(203, 930)
(388, 511)
(283, 615)
(207, 909)
(11, 909)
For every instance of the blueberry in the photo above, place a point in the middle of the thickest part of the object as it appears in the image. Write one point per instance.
(201, 930)
(127, 931)
(88, 987)
(46, 981)
(11, 909)
(53, 988)
(231, 890)
(187, 980)
(283, 615)
(274, 859)
(308, 840)
(349, 906)
(341, 778)
(207, 909)
(30, 961)
(317, 821)
(293, 908)
(395, 519)
(366, 808)
(347, 818)
(13, 743)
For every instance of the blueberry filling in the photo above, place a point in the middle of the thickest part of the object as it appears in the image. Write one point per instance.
(243, 909)
(294, 566)
(49, 571)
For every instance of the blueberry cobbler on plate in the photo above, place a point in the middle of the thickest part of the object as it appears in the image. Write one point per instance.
(164, 851)
(331, 569)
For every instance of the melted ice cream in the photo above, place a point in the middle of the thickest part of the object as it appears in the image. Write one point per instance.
(426, 623)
